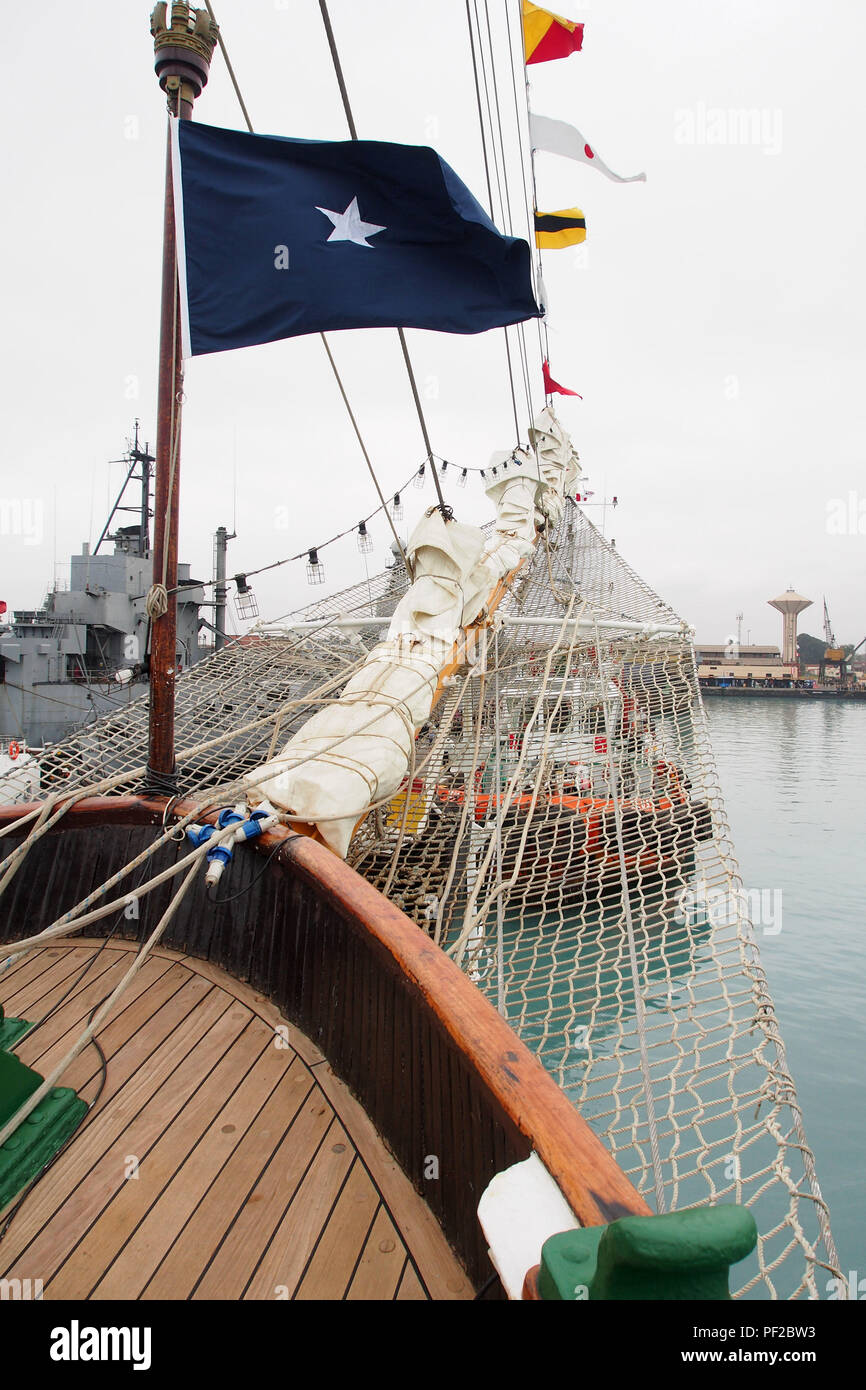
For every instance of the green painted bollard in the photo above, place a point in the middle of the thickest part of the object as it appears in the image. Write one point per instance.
(44, 1131)
(11, 1029)
(17, 1083)
(682, 1255)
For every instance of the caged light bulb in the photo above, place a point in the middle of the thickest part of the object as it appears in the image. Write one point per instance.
(420, 476)
(315, 568)
(461, 481)
(365, 540)
(397, 507)
(246, 603)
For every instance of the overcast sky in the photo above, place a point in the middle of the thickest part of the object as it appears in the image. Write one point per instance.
(713, 323)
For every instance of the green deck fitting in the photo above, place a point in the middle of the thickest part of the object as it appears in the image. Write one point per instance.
(17, 1083)
(44, 1131)
(682, 1255)
(11, 1029)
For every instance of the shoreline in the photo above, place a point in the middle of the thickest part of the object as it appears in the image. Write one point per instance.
(784, 692)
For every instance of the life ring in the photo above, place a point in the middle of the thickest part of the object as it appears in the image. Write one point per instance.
(14, 750)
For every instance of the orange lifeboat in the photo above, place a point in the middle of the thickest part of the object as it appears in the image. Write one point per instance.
(574, 838)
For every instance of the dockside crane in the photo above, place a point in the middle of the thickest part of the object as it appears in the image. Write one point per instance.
(848, 665)
(835, 655)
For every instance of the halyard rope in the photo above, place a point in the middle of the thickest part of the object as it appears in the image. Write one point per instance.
(563, 957)
(101, 1014)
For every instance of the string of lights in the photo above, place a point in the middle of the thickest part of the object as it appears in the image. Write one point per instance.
(418, 477)
(315, 568)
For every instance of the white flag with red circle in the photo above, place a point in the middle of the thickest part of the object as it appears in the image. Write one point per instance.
(558, 137)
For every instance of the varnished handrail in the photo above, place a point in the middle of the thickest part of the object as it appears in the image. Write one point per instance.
(592, 1183)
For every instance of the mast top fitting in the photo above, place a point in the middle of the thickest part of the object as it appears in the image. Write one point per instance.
(183, 47)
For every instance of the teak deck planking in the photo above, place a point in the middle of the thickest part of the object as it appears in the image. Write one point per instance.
(439, 1073)
(258, 1174)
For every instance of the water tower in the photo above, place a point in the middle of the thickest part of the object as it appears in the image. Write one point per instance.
(789, 605)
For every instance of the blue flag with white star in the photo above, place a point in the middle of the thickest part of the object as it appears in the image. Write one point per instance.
(279, 237)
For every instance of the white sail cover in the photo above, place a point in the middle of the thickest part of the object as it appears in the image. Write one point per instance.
(593, 685)
(359, 750)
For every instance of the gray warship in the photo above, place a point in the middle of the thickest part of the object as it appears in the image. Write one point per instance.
(86, 651)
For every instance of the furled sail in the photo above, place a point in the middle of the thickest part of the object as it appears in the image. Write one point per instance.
(358, 751)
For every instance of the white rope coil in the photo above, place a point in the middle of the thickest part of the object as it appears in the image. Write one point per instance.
(156, 602)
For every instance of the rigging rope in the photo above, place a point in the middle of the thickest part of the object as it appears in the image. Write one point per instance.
(335, 58)
(500, 158)
(322, 336)
(368, 460)
(530, 194)
(101, 1013)
(490, 208)
(690, 1010)
(559, 956)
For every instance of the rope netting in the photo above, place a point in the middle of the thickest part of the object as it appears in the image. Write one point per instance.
(562, 836)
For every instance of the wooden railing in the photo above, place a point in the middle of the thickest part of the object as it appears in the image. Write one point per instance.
(450, 1087)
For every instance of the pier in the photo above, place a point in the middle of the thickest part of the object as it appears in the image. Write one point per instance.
(782, 692)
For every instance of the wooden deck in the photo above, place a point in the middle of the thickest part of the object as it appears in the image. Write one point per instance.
(223, 1159)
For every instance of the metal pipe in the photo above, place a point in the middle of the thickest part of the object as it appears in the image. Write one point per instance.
(220, 587)
(123, 487)
(607, 624)
(145, 459)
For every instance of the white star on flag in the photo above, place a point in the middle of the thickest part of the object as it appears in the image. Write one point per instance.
(349, 227)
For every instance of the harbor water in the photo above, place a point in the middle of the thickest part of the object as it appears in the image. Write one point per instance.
(793, 775)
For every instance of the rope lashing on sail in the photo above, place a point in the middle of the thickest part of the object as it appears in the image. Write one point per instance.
(457, 576)
(61, 800)
(73, 916)
(399, 679)
(560, 797)
(557, 956)
(250, 784)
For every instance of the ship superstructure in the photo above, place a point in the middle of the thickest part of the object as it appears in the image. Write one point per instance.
(85, 652)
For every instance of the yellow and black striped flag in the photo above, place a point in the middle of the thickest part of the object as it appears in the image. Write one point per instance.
(554, 230)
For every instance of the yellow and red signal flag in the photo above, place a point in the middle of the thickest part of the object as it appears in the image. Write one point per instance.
(547, 36)
(555, 230)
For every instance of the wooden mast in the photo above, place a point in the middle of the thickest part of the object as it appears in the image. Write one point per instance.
(183, 46)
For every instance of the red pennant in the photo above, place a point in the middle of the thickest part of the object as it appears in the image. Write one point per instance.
(550, 385)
